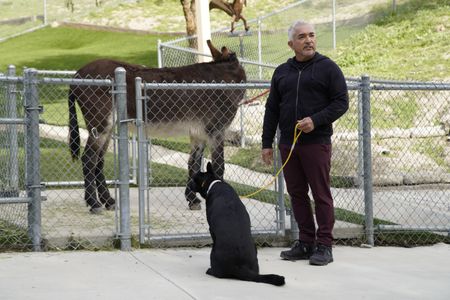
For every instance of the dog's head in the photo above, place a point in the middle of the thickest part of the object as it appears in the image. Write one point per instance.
(201, 181)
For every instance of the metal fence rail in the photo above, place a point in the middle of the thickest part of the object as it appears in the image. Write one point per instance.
(390, 168)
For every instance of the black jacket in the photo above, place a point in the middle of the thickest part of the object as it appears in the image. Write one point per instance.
(315, 89)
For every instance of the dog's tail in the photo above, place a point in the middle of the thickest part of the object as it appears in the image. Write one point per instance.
(250, 275)
(271, 279)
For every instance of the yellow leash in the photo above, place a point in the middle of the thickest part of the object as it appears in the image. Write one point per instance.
(296, 136)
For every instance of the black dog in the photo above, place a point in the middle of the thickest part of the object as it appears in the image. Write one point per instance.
(233, 254)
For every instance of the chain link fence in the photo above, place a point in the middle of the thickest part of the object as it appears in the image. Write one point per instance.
(390, 187)
(20, 177)
(259, 48)
(64, 221)
(411, 161)
(166, 220)
(13, 216)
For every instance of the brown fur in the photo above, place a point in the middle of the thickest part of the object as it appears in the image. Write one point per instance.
(210, 110)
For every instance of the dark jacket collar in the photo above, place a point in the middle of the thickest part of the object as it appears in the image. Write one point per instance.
(303, 64)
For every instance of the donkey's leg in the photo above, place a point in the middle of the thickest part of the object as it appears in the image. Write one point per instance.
(245, 23)
(217, 145)
(194, 165)
(89, 162)
(102, 188)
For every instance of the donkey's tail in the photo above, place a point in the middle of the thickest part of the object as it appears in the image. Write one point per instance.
(74, 130)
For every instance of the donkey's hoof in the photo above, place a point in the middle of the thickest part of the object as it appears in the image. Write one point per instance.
(195, 205)
(96, 210)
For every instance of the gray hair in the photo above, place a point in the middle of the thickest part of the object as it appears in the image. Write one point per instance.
(295, 25)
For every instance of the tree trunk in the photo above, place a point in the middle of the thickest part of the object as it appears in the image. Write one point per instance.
(189, 15)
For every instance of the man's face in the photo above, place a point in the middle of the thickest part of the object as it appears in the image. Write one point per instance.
(304, 42)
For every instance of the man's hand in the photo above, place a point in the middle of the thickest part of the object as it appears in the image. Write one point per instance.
(267, 155)
(306, 125)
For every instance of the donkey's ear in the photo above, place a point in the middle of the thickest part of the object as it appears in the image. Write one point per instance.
(216, 54)
(225, 52)
(209, 168)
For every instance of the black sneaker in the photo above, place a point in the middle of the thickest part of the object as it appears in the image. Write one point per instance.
(300, 250)
(322, 256)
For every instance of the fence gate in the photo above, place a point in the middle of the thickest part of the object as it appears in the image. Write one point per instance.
(20, 189)
(35, 160)
(165, 217)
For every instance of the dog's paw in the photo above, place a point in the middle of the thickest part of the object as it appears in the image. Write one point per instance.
(96, 210)
(195, 205)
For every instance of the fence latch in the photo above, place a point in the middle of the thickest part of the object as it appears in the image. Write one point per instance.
(39, 108)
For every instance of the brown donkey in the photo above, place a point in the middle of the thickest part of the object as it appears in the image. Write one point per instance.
(207, 113)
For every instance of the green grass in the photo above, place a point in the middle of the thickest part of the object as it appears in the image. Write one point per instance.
(409, 238)
(250, 157)
(433, 148)
(69, 49)
(13, 238)
(394, 111)
(181, 144)
(411, 44)
(57, 165)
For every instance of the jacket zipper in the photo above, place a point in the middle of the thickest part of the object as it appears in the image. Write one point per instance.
(296, 96)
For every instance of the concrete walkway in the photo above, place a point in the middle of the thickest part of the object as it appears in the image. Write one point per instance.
(357, 273)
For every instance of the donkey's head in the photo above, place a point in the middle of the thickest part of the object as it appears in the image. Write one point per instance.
(223, 55)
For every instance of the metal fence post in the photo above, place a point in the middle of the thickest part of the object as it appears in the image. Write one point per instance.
(367, 158)
(33, 180)
(142, 158)
(279, 185)
(133, 158)
(259, 48)
(124, 168)
(160, 54)
(360, 175)
(280, 181)
(12, 133)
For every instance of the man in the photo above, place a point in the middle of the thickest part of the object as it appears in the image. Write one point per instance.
(308, 91)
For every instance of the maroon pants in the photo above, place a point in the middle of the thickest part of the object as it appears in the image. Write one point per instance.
(309, 167)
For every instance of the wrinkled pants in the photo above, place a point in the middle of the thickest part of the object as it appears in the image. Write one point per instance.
(309, 167)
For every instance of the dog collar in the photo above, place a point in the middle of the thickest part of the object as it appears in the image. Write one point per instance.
(211, 185)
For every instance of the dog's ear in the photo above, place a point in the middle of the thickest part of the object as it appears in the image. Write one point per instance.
(209, 168)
